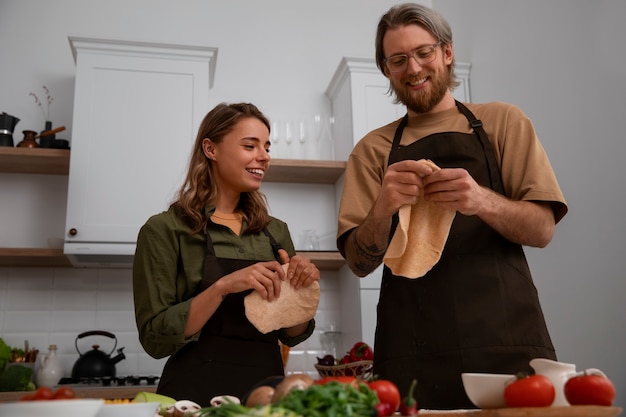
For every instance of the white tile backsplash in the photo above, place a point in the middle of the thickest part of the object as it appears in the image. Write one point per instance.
(54, 305)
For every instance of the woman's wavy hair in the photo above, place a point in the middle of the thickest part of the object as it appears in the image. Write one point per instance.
(200, 189)
(414, 14)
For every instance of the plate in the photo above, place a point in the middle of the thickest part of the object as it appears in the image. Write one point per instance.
(569, 411)
(52, 408)
(129, 410)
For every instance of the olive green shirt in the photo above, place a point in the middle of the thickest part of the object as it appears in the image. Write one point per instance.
(168, 267)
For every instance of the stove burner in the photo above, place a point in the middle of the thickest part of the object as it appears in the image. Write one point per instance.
(108, 380)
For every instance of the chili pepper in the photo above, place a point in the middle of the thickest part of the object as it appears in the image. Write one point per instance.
(361, 352)
(408, 406)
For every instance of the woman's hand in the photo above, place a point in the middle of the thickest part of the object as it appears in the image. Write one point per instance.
(301, 272)
(265, 277)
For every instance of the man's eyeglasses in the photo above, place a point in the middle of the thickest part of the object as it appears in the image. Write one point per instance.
(422, 55)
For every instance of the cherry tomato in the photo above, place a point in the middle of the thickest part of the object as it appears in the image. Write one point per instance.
(64, 393)
(529, 391)
(589, 388)
(387, 393)
(43, 393)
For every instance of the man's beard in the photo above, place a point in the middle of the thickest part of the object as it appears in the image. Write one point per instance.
(422, 101)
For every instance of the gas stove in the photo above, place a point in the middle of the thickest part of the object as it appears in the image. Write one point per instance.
(107, 381)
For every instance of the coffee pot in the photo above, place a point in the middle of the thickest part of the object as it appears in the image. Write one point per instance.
(7, 127)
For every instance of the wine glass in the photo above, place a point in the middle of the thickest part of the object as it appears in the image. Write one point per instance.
(275, 139)
(302, 138)
(289, 136)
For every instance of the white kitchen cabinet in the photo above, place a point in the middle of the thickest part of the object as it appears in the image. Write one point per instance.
(137, 107)
(360, 103)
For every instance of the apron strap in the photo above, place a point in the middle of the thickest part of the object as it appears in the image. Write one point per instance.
(495, 176)
(274, 243)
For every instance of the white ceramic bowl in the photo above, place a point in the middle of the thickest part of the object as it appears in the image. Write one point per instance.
(129, 410)
(486, 390)
(52, 408)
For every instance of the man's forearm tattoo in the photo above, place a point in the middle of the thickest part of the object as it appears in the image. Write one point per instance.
(368, 257)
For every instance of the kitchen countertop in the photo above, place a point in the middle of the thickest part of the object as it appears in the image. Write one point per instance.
(92, 391)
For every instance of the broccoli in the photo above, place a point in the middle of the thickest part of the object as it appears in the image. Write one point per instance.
(5, 354)
(16, 378)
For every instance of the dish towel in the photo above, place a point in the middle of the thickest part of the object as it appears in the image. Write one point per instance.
(419, 239)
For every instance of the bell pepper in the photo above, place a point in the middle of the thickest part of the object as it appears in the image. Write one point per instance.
(361, 352)
(408, 406)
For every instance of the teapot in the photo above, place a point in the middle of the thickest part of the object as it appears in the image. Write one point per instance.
(96, 363)
(558, 373)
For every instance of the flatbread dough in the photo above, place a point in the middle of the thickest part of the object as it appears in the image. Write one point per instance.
(291, 308)
(419, 239)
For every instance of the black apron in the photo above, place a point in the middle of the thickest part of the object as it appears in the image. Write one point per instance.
(476, 310)
(231, 355)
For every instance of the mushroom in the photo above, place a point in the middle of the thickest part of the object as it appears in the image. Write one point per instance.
(183, 407)
(224, 399)
(262, 395)
(290, 382)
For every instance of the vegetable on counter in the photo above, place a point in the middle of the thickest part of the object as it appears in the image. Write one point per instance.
(45, 393)
(331, 399)
(5, 354)
(529, 391)
(16, 378)
(590, 387)
(388, 395)
(408, 406)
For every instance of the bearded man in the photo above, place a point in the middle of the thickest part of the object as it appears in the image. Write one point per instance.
(475, 309)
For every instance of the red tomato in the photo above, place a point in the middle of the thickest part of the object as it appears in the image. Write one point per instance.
(64, 393)
(387, 392)
(529, 391)
(591, 388)
(43, 393)
(28, 397)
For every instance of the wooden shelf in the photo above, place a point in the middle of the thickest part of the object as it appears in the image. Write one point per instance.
(305, 171)
(33, 257)
(328, 261)
(43, 257)
(34, 160)
(56, 162)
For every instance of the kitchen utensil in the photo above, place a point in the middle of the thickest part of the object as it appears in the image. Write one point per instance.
(96, 363)
(52, 408)
(558, 373)
(486, 390)
(7, 127)
(129, 410)
(29, 140)
(51, 132)
(50, 369)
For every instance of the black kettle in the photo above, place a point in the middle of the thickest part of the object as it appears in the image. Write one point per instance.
(96, 363)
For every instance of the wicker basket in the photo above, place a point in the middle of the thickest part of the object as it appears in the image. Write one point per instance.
(360, 369)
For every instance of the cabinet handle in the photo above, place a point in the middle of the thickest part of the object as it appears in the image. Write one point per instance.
(73, 232)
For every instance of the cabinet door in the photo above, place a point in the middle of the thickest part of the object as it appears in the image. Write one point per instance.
(136, 110)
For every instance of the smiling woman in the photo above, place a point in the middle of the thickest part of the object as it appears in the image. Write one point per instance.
(196, 262)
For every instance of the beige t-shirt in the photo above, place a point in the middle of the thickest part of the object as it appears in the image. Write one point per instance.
(524, 165)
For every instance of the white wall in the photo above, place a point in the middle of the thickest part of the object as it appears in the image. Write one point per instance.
(561, 61)
(279, 54)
